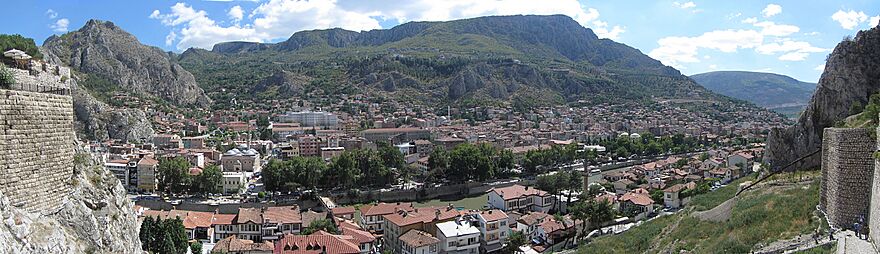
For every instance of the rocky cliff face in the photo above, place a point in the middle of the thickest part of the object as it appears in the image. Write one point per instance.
(852, 75)
(105, 50)
(95, 218)
(99, 121)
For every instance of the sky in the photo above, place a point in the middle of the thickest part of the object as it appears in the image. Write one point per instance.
(790, 37)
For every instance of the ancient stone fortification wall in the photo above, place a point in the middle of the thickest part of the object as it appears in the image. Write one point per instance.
(874, 221)
(847, 172)
(36, 136)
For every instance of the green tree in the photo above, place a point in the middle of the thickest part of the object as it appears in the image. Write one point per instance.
(196, 247)
(318, 225)
(208, 181)
(438, 162)
(147, 233)
(391, 156)
(7, 79)
(19, 42)
(174, 175)
(513, 242)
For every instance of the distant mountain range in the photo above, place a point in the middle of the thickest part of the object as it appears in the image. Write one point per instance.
(528, 60)
(772, 91)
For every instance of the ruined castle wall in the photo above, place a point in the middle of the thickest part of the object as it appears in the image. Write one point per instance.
(847, 169)
(36, 138)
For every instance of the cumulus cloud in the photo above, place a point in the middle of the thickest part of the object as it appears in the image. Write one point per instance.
(849, 20)
(235, 14)
(791, 50)
(875, 20)
(60, 25)
(821, 67)
(675, 51)
(771, 10)
(773, 29)
(277, 19)
(169, 39)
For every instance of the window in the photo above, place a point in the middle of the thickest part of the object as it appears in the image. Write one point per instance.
(503, 223)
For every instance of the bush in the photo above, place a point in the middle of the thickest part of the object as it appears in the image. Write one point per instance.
(6, 77)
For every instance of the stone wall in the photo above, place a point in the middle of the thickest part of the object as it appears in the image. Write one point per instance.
(36, 135)
(874, 221)
(847, 173)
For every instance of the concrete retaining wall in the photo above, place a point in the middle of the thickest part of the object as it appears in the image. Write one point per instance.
(36, 136)
(847, 173)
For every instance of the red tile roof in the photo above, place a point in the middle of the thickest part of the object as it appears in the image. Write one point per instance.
(493, 215)
(422, 215)
(417, 238)
(385, 208)
(342, 210)
(308, 244)
(232, 244)
(518, 191)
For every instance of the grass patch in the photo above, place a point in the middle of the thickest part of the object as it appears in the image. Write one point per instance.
(764, 215)
(714, 198)
(824, 249)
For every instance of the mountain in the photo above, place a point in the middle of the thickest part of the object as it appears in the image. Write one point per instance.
(772, 91)
(107, 61)
(525, 60)
(851, 76)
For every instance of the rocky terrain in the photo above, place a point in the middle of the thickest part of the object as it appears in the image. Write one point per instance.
(96, 217)
(106, 59)
(852, 75)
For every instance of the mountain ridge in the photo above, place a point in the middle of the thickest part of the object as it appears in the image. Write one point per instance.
(772, 91)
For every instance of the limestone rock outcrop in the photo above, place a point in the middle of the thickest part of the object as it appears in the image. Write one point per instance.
(95, 217)
(852, 75)
(99, 121)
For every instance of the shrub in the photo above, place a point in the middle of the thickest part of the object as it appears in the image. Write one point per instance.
(6, 77)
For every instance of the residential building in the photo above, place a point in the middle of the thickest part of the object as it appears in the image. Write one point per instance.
(365, 240)
(146, 174)
(494, 229)
(167, 141)
(528, 224)
(310, 119)
(419, 242)
(233, 245)
(120, 169)
(233, 182)
(518, 197)
(318, 243)
(458, 237)
(424, 219)
(742, 160)
(672, 195)
(636, 204)
(328, 153)
(372, 216)
(258, 224)
(395, 135)
(310, 146)
(552, 231)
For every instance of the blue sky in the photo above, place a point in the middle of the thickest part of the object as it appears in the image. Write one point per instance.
(788, 37)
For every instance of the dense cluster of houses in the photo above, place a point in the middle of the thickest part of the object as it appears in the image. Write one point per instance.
(630, 189)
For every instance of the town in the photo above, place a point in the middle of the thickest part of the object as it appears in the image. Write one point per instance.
(491, 180)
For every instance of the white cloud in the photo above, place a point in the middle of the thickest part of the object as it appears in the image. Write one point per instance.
(813, 33)
(874, 21)
(773, 29)
(674, 51)
(821, 67)
(169, 39)
(792, 50)
(713, 67)
(277, 19)
(686, 5)
(771, 10)
(60, 25)
(51, 14)
(751, 20)
(850, 19)
(235, 14)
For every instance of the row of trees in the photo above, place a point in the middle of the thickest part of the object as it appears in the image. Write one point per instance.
(174, 177)
(359, 167)
(649, 145)
(539, 161)
(468, 162)
(165, 236)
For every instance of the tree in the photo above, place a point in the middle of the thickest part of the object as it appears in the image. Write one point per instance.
(318, 225)
(147, 233)
(599, 212)
(174, 175)
(195, 247)
(513, 242)
(7, 79)
(208, 181)
(438, 162)
(19, 42)
(391, 156)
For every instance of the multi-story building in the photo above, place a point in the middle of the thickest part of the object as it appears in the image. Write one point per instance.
(233, 182)
(458, 237)
(289, 150)
(372, 216)
(310, 146)
(424, 219)
(146, 174)
(310, 119)
(167, 141)
(521, 198)
(258, 224)
(328, 153)
(418, 242)
(395, 135)
(494, 229)
(193, 142)
(120, 169)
